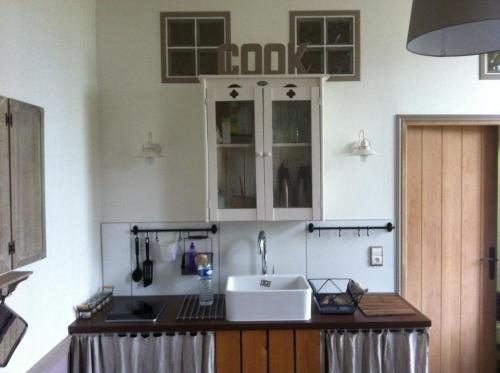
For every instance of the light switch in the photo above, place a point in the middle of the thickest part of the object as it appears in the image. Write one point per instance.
(376, 256)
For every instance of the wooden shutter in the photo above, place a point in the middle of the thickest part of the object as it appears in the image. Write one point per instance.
(26, 138)
(5, 234)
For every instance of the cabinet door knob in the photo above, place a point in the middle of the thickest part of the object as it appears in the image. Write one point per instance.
(260, 154)
(269, 154)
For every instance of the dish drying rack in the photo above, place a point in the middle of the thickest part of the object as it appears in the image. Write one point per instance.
(336, 295)
(192, 310)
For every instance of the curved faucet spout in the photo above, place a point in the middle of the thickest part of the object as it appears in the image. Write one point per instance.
(261, 242)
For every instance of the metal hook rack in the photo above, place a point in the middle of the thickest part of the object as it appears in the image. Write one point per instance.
(389, 227)
(136, 230)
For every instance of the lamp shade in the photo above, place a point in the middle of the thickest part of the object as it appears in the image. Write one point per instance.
(454, 27)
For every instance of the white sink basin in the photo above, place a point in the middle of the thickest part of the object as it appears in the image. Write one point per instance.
(268, 298)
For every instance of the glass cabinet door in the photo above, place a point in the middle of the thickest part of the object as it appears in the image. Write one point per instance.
(234, 128)
(292, 140)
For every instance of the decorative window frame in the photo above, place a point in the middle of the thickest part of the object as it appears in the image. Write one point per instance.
(164, 16)
(484, 74)
(355, 14)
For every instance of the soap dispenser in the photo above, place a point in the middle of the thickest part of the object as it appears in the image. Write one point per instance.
(192, 258)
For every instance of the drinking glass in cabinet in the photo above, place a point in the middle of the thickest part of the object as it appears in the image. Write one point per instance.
(292, 182)
(236, 155)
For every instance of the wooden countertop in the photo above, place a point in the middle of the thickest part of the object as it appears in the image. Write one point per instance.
(168, 323)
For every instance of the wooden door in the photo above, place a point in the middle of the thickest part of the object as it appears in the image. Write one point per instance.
(449, 225)
(5, 233)
(26, 136)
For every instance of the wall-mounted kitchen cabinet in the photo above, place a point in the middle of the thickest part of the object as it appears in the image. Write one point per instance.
(263, 148)
(22, 233)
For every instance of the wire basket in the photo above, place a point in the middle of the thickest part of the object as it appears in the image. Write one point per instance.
(336, 295)
(204, 243)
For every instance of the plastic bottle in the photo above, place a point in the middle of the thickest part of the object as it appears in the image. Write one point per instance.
(192, 258)
(205, 281)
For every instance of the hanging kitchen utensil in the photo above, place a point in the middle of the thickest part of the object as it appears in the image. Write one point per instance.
(137, 274)
(147, 266)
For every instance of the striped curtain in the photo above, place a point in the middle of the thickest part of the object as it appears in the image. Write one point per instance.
(142, 353)
(377, 351)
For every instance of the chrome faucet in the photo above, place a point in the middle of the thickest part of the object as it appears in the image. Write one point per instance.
(261, 242)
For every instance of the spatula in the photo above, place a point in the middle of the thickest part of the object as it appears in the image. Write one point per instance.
(147, 267)
(137, 274)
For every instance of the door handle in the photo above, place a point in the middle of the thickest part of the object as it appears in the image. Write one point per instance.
(492, 262)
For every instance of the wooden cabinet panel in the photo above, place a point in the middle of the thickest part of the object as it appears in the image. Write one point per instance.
(26, 137)
(5, 234)
(227, 351)
(273, 351)
(254, 354)
(281, 354)
(308, 351)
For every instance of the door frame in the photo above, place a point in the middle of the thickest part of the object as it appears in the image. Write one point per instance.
(402, 123)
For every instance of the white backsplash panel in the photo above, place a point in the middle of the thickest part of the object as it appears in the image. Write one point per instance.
(348, 254)
(118, 247)
(291, 250)
(286, 243)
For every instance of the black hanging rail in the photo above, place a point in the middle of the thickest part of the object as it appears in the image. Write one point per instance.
(389, 227)
(135, 230)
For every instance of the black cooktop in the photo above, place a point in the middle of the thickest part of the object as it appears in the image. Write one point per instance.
(135, 310)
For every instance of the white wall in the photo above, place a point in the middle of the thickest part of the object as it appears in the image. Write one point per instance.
(393, 81)
(48, 58)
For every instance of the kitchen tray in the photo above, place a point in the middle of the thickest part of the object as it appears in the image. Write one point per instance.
(192, 310)
(335, 295)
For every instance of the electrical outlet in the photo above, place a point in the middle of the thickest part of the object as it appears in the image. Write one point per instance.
(376, 256)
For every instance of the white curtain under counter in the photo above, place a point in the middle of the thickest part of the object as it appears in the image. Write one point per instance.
(377, 351)
(142, 353)
(346, 351)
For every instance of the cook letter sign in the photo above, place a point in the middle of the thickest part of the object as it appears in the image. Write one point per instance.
(262, 59)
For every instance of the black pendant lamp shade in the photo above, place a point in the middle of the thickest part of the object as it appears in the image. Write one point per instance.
(454, 27)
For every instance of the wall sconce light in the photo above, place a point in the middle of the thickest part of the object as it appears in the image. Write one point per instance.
(150, 150)
(362, 147)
